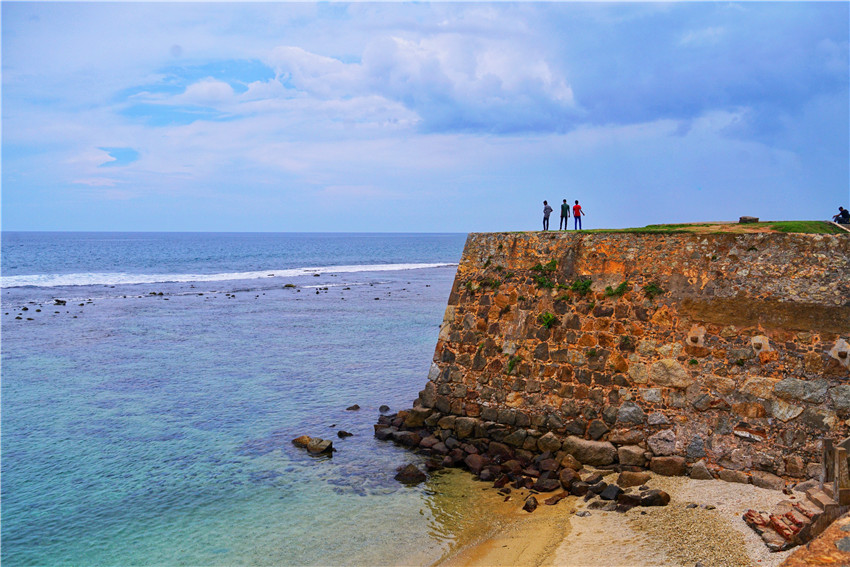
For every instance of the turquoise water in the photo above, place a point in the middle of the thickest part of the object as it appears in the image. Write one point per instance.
(144, 429)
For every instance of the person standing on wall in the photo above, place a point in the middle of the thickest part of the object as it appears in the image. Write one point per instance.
(547, 210)
(577, 214)
(565, 215)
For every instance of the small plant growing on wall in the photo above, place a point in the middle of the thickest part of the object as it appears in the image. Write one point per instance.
(513, 362)
(492, 283)
(543, 282)
(547, 319)
(652, 289)
(693, 362)
(591, 353)
(546, 268)
(617, 291)
(581, 286)
(626, 342)
(487, 263)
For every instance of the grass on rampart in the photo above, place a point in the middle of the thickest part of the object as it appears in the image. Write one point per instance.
(804, 227)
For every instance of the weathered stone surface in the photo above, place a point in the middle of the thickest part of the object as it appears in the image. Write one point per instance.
(611, 492)
(597, 429)
(764, 479)
(630, 413)
(662, 443)
(517, 438)
(784, 411)
(657, 418)
(416, 416)
(590, 452)
(549, 442)
(700, 471)
(406, 438)
(840, 396)
(567, 477)
(628, 479)
(626, 436)
(669, 373)
(812, 391)
(654, 498)
(475, 463)
(499, 450)
(729, 475)
(464, 426)
(428, 396)
(668, 466)
(547, 485)
(759, 386)
(570, 462)
(632, 455)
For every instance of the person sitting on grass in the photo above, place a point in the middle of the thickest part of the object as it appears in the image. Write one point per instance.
(843, 216)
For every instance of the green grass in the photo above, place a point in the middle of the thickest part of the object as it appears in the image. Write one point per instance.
(546, 268)
(581, 286)
(547, 319)
(805, 227)
(652, 289)
(618, 291)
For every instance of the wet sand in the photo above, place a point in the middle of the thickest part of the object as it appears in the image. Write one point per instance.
(672, 535)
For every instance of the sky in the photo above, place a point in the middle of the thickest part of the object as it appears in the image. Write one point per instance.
(420, 117)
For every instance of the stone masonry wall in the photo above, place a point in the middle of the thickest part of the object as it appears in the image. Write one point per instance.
(730, 349)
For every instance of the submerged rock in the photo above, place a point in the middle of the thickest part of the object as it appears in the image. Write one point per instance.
(410, 474)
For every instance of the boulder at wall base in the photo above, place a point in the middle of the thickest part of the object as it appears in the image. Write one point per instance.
(764, 479)
(475, 462)
(654, 498)
(549, 442)
(700, 471)
(500, 451)
(611, 492)
(594, 453)
(570, 462)
(579, 488)
(567, 477)
(629, 478)
(406, 438)
(547, 485)
(410, 474)
(668, 466)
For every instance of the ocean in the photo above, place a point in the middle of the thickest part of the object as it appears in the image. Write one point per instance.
(152, 384)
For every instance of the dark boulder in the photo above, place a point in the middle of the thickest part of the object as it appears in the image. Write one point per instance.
(611, 492)
(547, 485)
(654, 498)
(410, 474)
(530, 504)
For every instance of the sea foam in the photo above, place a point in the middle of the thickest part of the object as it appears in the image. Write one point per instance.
(100, 278)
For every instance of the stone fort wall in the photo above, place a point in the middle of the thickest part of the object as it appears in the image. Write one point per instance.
(727, 350)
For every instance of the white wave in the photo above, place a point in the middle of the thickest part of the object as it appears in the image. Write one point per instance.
(60, 280)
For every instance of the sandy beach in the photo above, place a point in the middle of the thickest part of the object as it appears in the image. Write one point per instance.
(711, 533)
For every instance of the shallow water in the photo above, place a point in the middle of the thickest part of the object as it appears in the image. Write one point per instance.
(156, 429)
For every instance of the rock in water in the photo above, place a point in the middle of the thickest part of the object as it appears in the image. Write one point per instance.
(318, 446)
(343, 434)
(355, 407)
(301, 441)
(530, 504)
(410, 474)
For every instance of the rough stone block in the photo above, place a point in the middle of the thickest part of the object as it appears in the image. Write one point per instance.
(669, 373)
(662, 443)
(590, 452)
(668, 466)
(729, 475)
(632, 455)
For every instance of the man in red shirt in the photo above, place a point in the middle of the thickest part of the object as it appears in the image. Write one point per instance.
(577, 213)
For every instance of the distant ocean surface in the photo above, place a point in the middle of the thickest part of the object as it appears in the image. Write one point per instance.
(149, 419)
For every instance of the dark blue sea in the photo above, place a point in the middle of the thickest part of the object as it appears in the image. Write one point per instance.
(148, 419)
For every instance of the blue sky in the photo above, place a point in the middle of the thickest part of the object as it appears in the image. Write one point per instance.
(420, 117)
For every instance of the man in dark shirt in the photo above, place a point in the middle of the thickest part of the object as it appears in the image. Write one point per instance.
(565, 216)
(843, 216)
